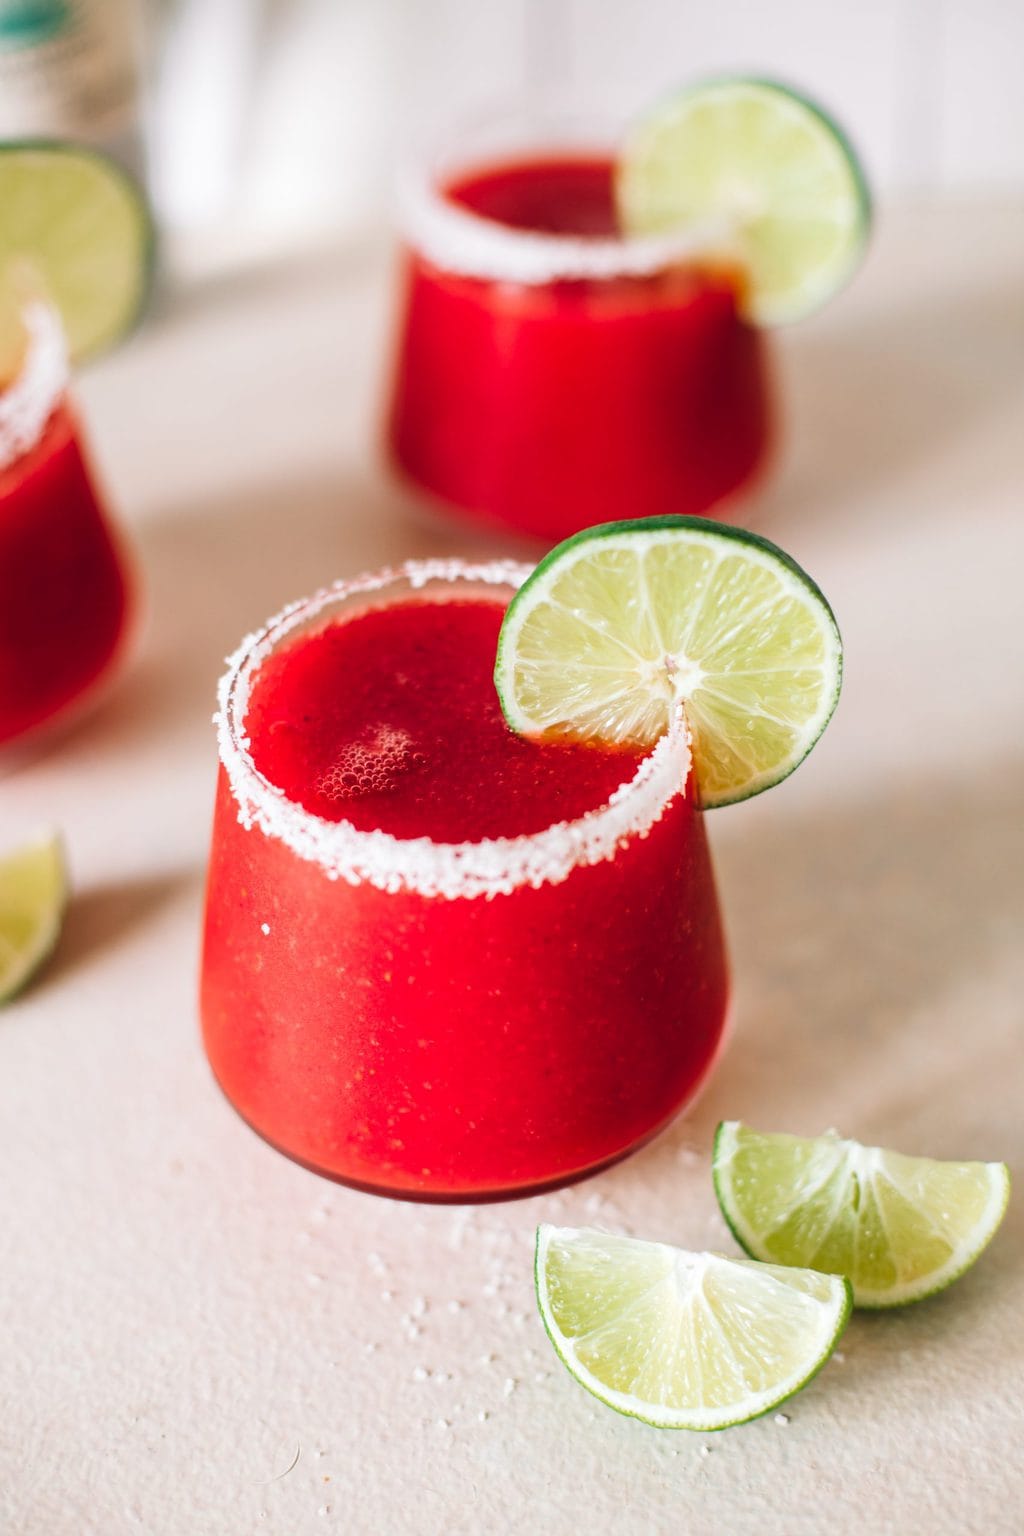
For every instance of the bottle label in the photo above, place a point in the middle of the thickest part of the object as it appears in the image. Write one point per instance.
(68, 69)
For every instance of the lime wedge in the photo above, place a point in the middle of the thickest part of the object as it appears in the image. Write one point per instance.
(623, 622)
(683, 1340)
(33, 897)
(79, 226)
(900, 1227)
(767, 166)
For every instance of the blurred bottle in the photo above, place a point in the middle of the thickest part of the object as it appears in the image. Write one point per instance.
(70, 69)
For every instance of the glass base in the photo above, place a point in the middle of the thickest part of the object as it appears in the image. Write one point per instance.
(497, 1196)
(48, 735)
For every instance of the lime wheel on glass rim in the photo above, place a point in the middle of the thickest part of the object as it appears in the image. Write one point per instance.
(765, 175)
(626, 622)
(76, 233)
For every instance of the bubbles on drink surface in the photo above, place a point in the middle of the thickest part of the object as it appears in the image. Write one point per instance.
(373, 765)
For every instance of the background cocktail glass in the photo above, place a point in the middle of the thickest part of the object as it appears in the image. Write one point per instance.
(65, 593)
(548, 379)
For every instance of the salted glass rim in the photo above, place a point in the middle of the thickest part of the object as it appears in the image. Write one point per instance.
(457, 240)
(31, 398)
(489, 867)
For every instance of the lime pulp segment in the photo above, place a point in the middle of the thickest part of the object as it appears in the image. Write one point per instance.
(624, 622)
(901, 1228)
(683, 1340)
(766, 168)
(79, 226)
(33, 897)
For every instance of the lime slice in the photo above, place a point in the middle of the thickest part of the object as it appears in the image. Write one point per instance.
(900, 1227)
(683, 1340)
(33, 897)
(772, 169)
(80, 227)
(623, 622)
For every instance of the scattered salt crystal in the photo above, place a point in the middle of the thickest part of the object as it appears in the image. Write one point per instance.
(839, 1357)
(488, 1359)
(444, 1423)
(372, 1347)
(455, 1306)
(324, 1509)
(387, 1295)
(264, 929)
(705, 1450)
(419, 1306)
(419, 1373)
(782, 1418)
(490, 1290)
(510, 1386)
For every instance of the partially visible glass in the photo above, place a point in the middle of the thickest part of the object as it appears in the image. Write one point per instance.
(550, 372)
(65, 592)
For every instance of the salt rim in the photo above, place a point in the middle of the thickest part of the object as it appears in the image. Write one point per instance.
(491, 867)
(463, 242)
(27, 405)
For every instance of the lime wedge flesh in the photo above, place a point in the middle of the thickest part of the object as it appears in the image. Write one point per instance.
(33, 897)
(761, 163)
(900, 1228)
(683, 1340)
(625, 621)
(80, 228)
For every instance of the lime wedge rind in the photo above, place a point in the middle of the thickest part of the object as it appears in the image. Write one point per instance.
(765, 1241)
(81, 223)
(580, 650)
(781, 182)
(33, 901)
(830, 1309)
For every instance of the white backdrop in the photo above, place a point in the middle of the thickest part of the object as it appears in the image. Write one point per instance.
(283, 115)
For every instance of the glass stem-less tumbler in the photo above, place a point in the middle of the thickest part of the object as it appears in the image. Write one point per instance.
(64, 588)
(453, 1021)
(552, 373)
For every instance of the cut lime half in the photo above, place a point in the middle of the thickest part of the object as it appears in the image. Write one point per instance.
(33, 897)
(625, 621)
(761, 163)
(76, 228)
(683, 1340)
(901, 1228)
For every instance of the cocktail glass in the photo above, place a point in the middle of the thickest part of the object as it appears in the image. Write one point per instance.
(64, 588)
(455, 1022)
(550, 372)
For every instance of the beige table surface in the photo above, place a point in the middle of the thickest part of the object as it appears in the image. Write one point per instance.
(198, 1337)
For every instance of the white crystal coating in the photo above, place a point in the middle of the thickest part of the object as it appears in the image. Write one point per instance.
(463, 242)
(490, 867)
(29, 402)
